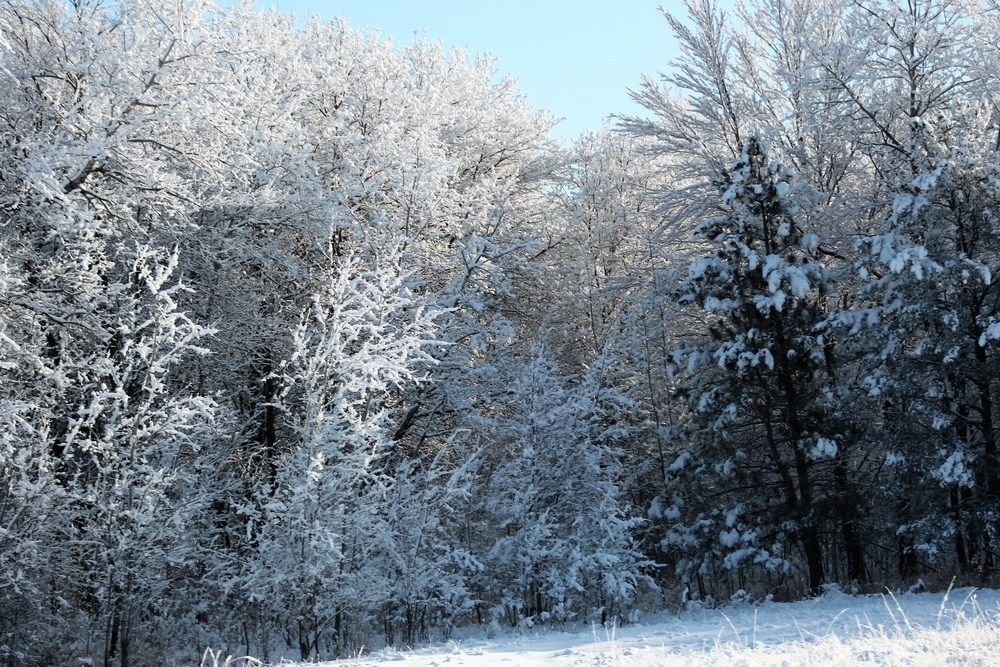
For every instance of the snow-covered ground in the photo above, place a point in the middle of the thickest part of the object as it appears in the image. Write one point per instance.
(958, 628)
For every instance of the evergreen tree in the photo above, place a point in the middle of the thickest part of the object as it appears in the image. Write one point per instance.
(929, 335)
(763, 439)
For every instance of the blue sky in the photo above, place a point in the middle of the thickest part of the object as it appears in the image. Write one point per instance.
(574, 58)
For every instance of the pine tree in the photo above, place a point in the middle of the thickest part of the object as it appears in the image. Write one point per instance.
(762, 438)
(929, 334)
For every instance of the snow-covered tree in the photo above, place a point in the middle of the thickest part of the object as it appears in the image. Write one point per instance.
(758, 386)
(929, 334)
(874, 107)
(324, 524)
(560, 530)
(133, 454)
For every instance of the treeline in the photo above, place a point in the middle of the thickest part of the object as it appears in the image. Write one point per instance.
(310, 342)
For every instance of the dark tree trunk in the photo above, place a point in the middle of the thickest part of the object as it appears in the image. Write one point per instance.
(796, 432)
(124, 642)
(856, 570)
(111, 643)
(814, 560)
(853, 546)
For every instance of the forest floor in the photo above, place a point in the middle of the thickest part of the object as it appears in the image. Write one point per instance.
(961, 627)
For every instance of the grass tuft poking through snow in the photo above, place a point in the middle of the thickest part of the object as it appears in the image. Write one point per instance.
(212, 659)
(970, 640)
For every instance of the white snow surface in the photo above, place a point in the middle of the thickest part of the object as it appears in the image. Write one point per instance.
(960, 627)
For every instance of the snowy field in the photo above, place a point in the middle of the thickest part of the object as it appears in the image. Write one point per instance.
(960, 628)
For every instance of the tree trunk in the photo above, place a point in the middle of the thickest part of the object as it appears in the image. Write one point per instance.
(853, 547)
(814, 560)
(124, 641)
